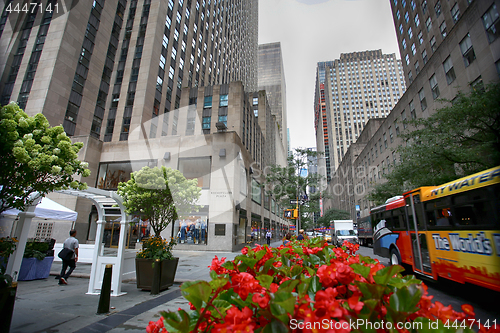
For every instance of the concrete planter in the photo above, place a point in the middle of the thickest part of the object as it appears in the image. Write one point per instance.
(144, 273)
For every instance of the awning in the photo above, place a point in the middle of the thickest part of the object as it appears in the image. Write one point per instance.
(49, 209)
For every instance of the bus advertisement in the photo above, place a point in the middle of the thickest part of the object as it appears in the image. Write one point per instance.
(449, 231)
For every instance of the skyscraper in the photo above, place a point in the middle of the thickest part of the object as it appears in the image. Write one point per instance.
(446, 47)
(349, 91)
(272, 80)
(153, 83)
(103, 67)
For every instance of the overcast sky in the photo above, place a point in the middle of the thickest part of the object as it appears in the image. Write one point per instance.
(320, 30)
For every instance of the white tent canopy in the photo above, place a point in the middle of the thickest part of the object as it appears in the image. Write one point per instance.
(49, 209)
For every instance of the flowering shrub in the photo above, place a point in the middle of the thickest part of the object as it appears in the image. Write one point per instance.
(157, 248)
(309, 286)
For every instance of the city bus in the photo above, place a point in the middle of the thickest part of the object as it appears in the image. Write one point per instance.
(449, 231)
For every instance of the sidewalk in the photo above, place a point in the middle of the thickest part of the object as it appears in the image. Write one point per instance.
(45, 306)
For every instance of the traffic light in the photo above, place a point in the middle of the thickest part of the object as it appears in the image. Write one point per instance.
(290, 213)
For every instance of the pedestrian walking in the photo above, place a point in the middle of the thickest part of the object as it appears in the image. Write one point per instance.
(72, 244)
(288, 236)
(301, 235)
(268, 237)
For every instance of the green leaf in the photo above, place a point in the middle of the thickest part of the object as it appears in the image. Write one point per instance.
(218, 283)
(361, 270)
(406, 298)
(265, 280)
(314, 259)
(374, 291)
(177, 321)
(275, 326)
(197, 292)
(403, 282)
(282, 304)
(314, 286)
(228, 265)
(222, 306)
(288, 285)
(384, 275)
(250, 262)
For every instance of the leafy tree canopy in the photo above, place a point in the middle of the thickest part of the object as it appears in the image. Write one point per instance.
(35, 158)
(288, 182)
(460, 139)
(333, 214)
(159, 194)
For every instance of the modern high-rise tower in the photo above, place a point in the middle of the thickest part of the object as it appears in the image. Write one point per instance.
(104, 67)
(349, 91)
(272, 80)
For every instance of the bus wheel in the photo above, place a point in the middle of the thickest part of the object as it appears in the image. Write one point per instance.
(395, 257)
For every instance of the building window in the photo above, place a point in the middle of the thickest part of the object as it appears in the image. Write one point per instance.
(424, 56)
(423, 102)
(407, 59)
(417, 67)
(413, 114)
(442, 28)
(467, 50)
(455, 12)
(403, 118)
(420, 38)
(223, 100)
(424, 7)
(404, 44)
(255, 101)
(391, 135)
(193, 100)
(437, 8)
(434, 86)
(407, 17)
(433, 43)
(207, 103)
(449, 70)
(428, 24)
(492, 23)
(206, 123)
(417, 20)
(410, 76)
(223, 119)
(413, 49)
(410, 33)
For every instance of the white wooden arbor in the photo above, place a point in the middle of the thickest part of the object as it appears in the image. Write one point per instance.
(105, 200)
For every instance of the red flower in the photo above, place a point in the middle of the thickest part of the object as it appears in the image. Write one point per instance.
(355, 304)
(261, 300)
(244, 284)
(244, 250)
(217, 265)
(236, 321)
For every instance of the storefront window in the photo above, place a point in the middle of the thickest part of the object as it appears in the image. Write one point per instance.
(192, 230)
(111, 174)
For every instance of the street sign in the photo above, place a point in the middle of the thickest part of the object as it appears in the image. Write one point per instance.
(293, 201)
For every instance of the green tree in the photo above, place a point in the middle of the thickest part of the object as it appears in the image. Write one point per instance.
(288, 182)
(159, 194)
(333, 214)
(35, 158)
(460, 139)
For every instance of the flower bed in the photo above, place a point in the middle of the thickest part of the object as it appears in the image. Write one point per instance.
(310, 286)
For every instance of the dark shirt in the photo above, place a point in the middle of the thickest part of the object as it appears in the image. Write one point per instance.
(301, 237)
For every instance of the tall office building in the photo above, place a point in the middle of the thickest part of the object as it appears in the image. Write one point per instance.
(272, 80)
(104, 67)
(152, 83)
(349, 91)
(446, 47)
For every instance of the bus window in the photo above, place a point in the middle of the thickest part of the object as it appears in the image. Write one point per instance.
(464, 216)
(443, 217)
